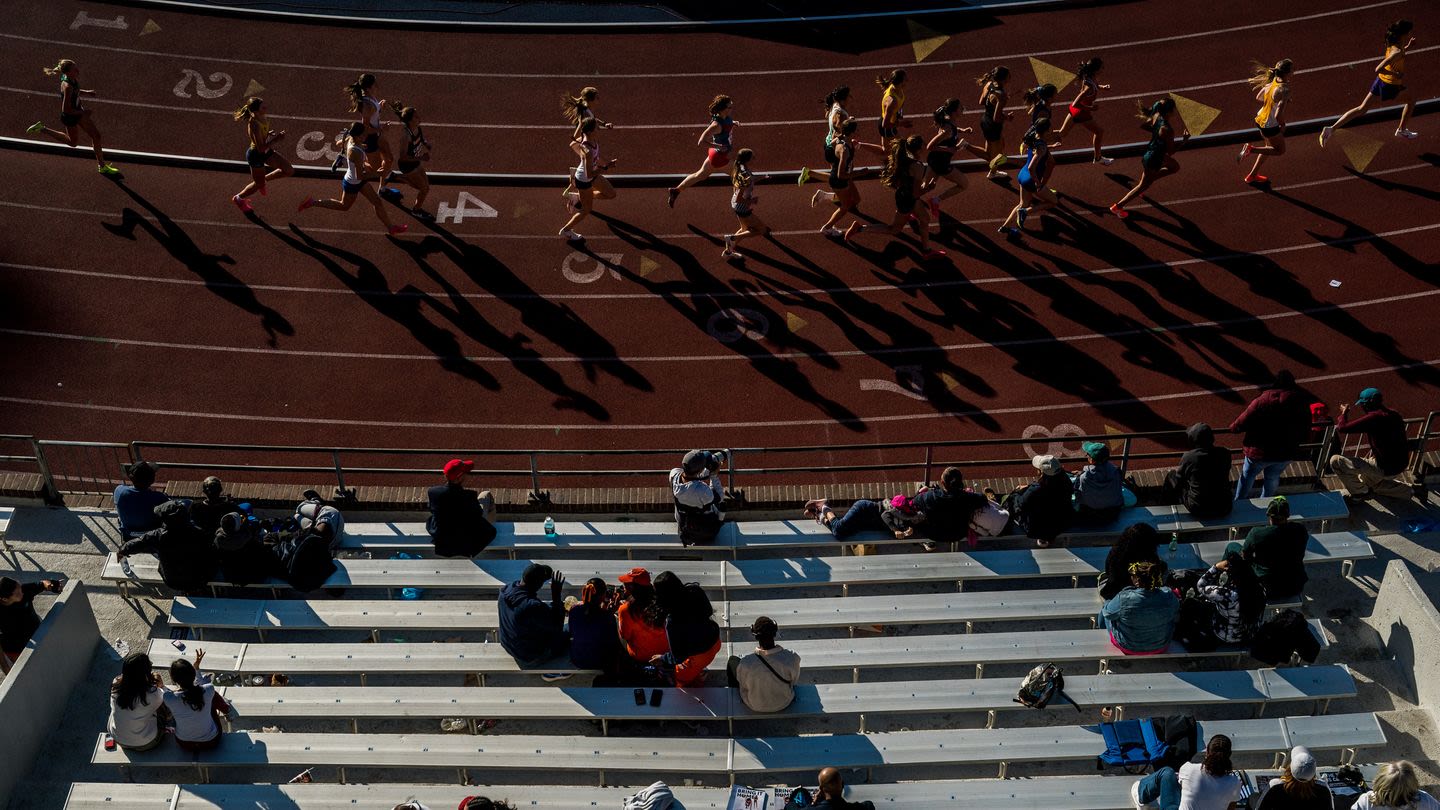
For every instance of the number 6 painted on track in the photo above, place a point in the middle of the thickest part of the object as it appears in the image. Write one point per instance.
(201, 89)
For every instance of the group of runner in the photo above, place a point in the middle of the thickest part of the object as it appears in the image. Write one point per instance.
(913, 165)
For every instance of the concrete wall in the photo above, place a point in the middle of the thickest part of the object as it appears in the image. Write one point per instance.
(34, 694)
(1409, 628)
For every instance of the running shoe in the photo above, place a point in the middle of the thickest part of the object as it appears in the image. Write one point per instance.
(1244, 152)
(1021, 215)
(833, 233)
(1407, 134)
(804, 176)
(306, 203)
(35, 128)
(1325, 136)
(1256, 179)
(1104, 161)
(996, 174)
(1119, 212)
(242, 203)
(670, 196)
(396, 230)
(1010, 232)
(571, 236)
(552, 677)
(108, 170)
(391, 193)
(264, 191)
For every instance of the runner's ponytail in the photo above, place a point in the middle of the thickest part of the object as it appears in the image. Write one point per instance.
(1264, 74)
(1089, 68)
(249, 108)
(999, 73)
(741, 166)
(949, 108)
(356, 91)
(62, 67)
(1397, 31)
(897, 76)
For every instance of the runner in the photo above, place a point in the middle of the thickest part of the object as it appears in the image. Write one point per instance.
(588, 179)
(835, 115)
(742, 202)
(1273, 86)
(363, 101)
(940, 153)
(1033, 176)
(722, 120)
(410, 169)
(73, 114)
(1082, 109)
(844, 192)
(576, 110)
(260, 154)
(1389, 83)
(1158, 161)
(356, 182)
(1038, 98)
(905, 173)
(892, 107)
(992, 120)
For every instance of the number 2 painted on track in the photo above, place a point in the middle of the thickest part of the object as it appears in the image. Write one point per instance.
(201, 88)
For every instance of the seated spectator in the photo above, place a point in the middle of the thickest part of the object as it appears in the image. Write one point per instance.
(530, 630)
(1043, 510)
(326, 520)
(135, 502)
(1235, 593)
(207, 512)
(1099, 494)
(1141, 618)
(18, 619)
(948, 510)
(641, 622)
(1202, 481)
(243, 556)
(594, 637)
(831, 793)
(1138, 543)
(196, 707)
(1389, 457)
(766, 678)
(897, 515)
(693, 636)
(482, 803)
(1396, 787)
(1297, 788)
(1277, 551)
(459, 522)
(1212, 784)
(136, 704)
(188, 560)
(698, 496)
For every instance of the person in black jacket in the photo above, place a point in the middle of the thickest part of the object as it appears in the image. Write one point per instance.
(18, 619)
(530, 630)
(244, 557)
(459, 523)
(831, 795)
(1202, 481)
(187, 556)
(1043, 510)
(207, 512)
(948, 508)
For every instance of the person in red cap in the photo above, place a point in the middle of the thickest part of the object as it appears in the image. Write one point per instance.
(459, 523)
(642, 626)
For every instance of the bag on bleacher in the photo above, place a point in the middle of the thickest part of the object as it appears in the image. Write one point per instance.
(1195, 625)
(989, 520)
(656, 797)
(1283, 636)
(1136, 745)
(1346, 785)
(1041, 685)
(305, 560)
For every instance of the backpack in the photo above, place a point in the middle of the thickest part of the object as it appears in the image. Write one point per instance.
(1283, 636)
(305, 560)
(1138, 744)
(1041, 685)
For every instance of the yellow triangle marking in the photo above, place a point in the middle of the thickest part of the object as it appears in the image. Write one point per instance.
(522, 208)
(794, 322)
(1115, 444)
(1198, 117)
(254, 88)
(1046, 73)
(648, 266)
(950, 382)
(925, 40)
(1360, 149)
(150, 27)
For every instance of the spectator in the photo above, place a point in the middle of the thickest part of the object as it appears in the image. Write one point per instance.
(207, 512)
(530, 630)
(196, 707)
(692, 634)
(243, 556)
(459, 522)
(136, 702)
(326, 520)
(698, 496)
(1275, 423)
(188, 559)
(135, 502)
(1138, 543)
(1099, 492)
(642, 624)
(831, 793)
(1297, 789)
(1396, 787)
(897, 515)
(1141, 618)
(18, 619)
(1202, 481)
(594, 638)
(1043, 509)
(483, 803)
(1210, 785)
(1277, 551)
(948, 509)
(1389, 457)
(1235, 594)
(766, 678)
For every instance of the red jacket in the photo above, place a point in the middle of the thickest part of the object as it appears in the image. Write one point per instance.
(1276, 423)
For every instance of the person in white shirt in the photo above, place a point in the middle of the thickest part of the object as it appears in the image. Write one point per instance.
(195, 706)
(136, 703)
(1212, 784)
(698, 494)
(1396, 787)
(766, 678)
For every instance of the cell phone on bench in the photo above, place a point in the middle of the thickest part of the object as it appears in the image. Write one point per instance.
(639, 697)
(656, 696)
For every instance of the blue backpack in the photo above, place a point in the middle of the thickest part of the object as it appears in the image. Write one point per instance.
(1134, 745)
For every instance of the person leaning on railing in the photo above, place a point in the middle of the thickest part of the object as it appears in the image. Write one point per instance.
(1389, 449)
(1276, 423)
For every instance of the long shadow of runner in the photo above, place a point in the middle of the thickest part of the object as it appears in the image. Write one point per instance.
(401, 306)
(208, 266)
(1355, 235)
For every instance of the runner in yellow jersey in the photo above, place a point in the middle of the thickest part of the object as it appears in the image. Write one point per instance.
(892, 107)
(1389, 83)
(1273, 92)
(265, 163)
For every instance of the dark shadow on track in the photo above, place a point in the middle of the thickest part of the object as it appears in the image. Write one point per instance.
(210, 267)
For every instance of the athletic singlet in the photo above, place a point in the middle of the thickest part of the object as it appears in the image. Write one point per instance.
(744, 195)
(1039, 170)
(830, 132)
(721, 139)
(952, 140)
(1272, 94)
(843, 167)
(263, 128)
(993, 98)
(1088, 91)
(64, 80)
(1395, 72)
(354, 163)
(1162, 137)
(372, 119)
(591, 156)
(896, 95)
(415, 140)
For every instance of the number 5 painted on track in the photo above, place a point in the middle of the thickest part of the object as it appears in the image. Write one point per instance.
(201, 89)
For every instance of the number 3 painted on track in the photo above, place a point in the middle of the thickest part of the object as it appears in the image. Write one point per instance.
(201, 89)
(305, 153)
(1054, 448)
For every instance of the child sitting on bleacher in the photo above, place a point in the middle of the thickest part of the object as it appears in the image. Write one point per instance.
(196, 707)
(136, 705)
(1099, 492)
(1141, 618)
(1212, 784)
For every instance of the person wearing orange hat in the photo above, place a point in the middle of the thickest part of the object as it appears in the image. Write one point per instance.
(642, 626)
(459, 523)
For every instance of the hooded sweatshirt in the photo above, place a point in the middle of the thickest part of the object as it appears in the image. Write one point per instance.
(1098, 487)
(1203, 477)
(529, 628)
(187, 556)
(1276, 423)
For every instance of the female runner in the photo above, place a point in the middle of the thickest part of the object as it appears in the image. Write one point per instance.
(835, 115)
(722, 121)
(1389, 83)
(363, 101)
(1082, 109)
(1161, 119)
(73, 114)
(356, 182)
(576, 110)
(905, 173)
(588, 179)
(1033, 176)
(1038, 98)
(844, 191)
(742, 202)
(410, 169)
(940, 153)
(992, 120)
(261, 154)
(892, 106)
(1273, 92)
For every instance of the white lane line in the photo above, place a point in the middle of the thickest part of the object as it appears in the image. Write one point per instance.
(430, 73)
(710, 358)
(134, 410)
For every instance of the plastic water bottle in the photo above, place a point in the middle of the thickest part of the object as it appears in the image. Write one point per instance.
(1174, 544)
(549, 526)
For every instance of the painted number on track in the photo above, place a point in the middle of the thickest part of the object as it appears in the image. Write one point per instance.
(1057, 437)
(308, 153)
(731, 325)
(910, 382)
(83, 18)
(466, 205)
(202, 89)
(572, 268)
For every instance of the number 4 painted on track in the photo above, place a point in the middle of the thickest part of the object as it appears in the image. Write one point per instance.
(463, 209)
